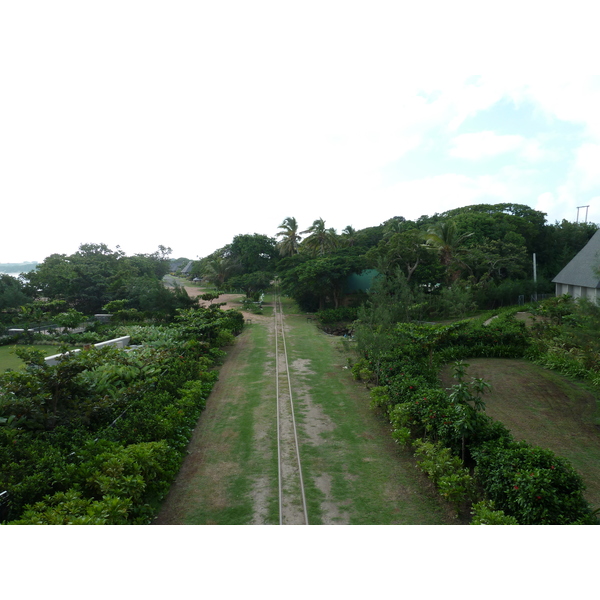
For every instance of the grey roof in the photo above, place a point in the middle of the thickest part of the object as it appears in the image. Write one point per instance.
(187, 268)
(580, 271)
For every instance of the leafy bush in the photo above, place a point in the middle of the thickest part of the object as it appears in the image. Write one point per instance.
(336, 315)
(70, 508)
(405, 362)
(446, 471)
(485, 513)
(531, 484)
(99, 437)
(361, 371)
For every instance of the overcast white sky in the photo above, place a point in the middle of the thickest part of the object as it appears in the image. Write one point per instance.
(185, 123)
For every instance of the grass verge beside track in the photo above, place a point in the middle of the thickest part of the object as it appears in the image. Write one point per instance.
(229, 463)
(353, 471)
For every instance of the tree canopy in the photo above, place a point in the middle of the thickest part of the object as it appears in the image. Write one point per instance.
(96, 275)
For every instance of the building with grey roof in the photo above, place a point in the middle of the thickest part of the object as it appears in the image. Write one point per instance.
(581, 277)
(187, 269)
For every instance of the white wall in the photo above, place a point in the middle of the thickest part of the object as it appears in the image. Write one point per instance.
(121, 342)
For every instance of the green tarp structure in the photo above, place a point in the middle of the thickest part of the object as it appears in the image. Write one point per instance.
(360, 281)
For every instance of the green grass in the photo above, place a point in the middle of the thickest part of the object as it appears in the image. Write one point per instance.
(354, 473)
(9, 360)
(290, 307)
(374, 480)
(546, 409)
(231, 440)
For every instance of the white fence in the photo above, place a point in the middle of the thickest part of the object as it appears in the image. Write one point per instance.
(121, 342)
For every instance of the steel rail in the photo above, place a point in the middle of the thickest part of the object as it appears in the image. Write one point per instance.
(279, 326)
(278, 411)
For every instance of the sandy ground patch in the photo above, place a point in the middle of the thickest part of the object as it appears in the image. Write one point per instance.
(232, 301)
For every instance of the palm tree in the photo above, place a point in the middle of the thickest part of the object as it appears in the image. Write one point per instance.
(290, 242)
(321, 239)
(392, 226)
(218, 270)
(443, 236)
(349, 236)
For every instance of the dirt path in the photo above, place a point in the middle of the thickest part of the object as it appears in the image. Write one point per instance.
(231, 301)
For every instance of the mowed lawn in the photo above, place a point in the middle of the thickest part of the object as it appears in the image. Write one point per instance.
(545, 409)
(9, 360)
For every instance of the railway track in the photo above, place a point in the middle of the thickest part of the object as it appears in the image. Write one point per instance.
(292, 498)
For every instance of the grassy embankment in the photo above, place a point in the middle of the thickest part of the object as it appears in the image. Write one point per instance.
(545, 409)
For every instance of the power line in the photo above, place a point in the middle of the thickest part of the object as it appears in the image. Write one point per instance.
(586, 212)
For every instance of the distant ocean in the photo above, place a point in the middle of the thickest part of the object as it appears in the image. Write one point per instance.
(13, 274)
(27, 268)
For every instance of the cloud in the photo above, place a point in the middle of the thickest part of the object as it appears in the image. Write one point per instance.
(159, 119)
(440, 193)
(579, 188)
(487, 144)
(532, 151)
(586, 169)
(548, 203)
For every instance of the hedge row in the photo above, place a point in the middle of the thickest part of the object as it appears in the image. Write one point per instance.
(99, 437)
(526, 483)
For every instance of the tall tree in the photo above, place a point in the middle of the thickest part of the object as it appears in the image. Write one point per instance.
(444, 237)
(12, 293)
(562, 241)
(349, 236)
(251, 283)
(321, 240)
(494, 221)
(218, 269)
(256, 252)
(497, 260)
(94, 275)
(317, 282)
(395, 225)
(405, 250)
(289, 243)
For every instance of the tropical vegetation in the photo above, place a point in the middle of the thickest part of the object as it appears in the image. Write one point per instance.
(474, 257)
(99, 437)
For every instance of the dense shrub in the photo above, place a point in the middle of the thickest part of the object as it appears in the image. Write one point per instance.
(99, 437)
(531, 484)
(70, 508)
(543, 489)
(446, 471)
(337, 315)
(485, 513)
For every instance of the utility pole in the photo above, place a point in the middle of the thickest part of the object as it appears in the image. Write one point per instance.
(586, 212)
(534, 277)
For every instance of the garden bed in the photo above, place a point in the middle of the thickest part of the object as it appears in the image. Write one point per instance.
(544, 409)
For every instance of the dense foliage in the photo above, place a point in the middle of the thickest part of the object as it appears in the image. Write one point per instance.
(477, 256)
(96, 275)
(99, 437)
(402, 361)
(93, 280)
(12, 294)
